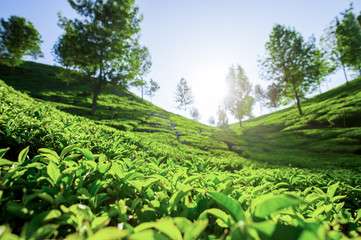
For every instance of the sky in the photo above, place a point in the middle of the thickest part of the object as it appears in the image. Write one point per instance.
(199, 39)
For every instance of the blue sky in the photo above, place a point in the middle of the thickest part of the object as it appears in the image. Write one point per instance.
(198, 39)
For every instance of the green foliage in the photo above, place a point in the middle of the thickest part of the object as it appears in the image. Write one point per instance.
(151, 88)
(239, 101)
(292, 63)
(183, 95)
(330, 129)
(104, 44)
(348, 34)
(65, 176)
(18, 38)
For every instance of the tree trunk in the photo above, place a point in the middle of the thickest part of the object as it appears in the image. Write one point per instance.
(67, 77)
(240, 123)
(12, 67)
(344, 72)
(298, 103)
(96, 93)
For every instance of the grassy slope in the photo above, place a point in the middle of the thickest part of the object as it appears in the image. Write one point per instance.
(147, 179)
(327, 136)
(122, 110)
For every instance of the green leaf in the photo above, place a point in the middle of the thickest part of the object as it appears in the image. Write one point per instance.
(264, 229)
(177, 176)
(104, 166)
(4, 162)
(337, 198)
(100, 222)
(165, 225)
(22, 155)
(177, 197)
(182, 223)
(50, 154)
(34, 228)
(66, 150)
(269, 204)
(150, 182)
(117, 171)
(53, 172)
(218, 214)
(109, 233)
(229, 204)
(3, 151)
(195, 230)
(92, 164)
(86, 153)
(47, 158)
(148, 234)
(307, 235)
(332, 189)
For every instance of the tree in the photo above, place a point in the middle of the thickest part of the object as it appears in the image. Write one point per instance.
(292, 64)
(333, 52)
(195, 114)
(211, 120)
(260, 95)
(18, 38)
(63, 51)
(348, 34)
(151, 88)
(105, 42)
(183, 95)
(140, 84)
(144, 65)
(273, 95)
(222, 117)
(238, 101)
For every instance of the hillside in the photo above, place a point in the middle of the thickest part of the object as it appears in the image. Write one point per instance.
(328, 135)
(122, 110)
(167, 177)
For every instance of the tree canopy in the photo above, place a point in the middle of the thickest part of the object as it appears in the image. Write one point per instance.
(18, 38)
(260, 95)
(222, 117)
(104, 43)
(348, 34)
(239, 101)
(151, 88)
(292, 63)
(183, 95)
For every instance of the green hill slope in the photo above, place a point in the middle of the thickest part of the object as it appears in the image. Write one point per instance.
(122, 110)
(81, 177)
(328, 135)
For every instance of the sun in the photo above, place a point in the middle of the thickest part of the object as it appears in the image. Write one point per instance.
(209, 87)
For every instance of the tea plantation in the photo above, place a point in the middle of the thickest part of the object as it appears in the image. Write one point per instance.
(135, 171)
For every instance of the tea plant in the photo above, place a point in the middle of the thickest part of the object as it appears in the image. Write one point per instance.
(72, 177)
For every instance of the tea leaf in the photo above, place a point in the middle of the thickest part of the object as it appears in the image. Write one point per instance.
(22, 155)
(229, 204)
(53, 172)
(271, 204)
